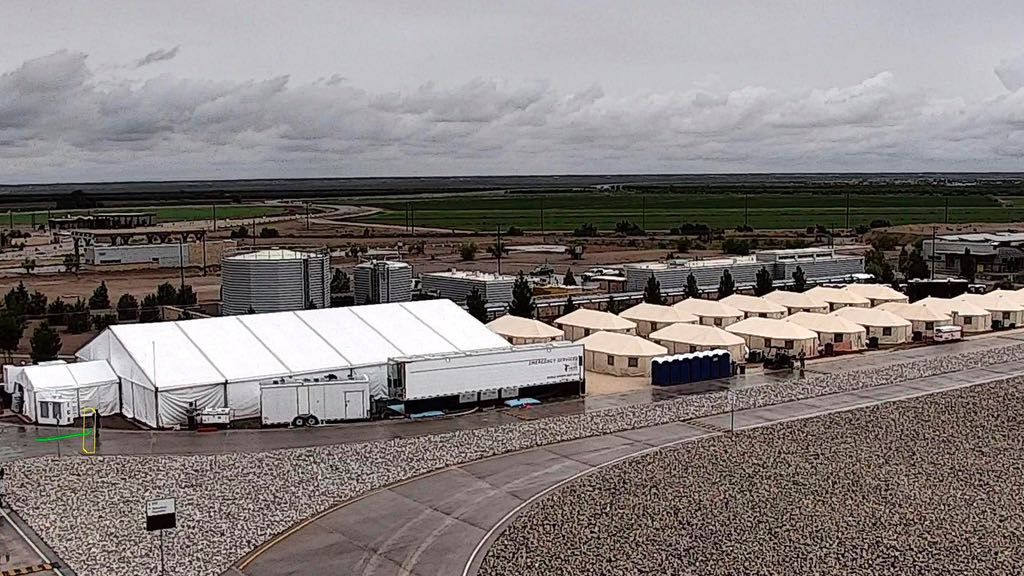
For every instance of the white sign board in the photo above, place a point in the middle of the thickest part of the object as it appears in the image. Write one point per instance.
(160, 507)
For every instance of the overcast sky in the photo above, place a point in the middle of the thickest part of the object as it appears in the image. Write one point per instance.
(220, 89)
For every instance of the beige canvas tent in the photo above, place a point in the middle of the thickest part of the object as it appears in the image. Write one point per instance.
(619, 354)
(837, 298)
(583, 322)
(652, 317)
(922, 319)
(767, 333)
(518, 330)
(710, 312)
(971, 317)
(755, 306)
(887, 327)
(1004, 307)
(686, 338)
(844, 335)
(797, 301)
(877, 293)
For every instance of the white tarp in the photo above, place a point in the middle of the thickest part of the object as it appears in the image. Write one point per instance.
(80, 385)
(219, 362)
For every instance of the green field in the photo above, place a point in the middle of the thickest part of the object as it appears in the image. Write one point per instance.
(163, 213)
(665, 211)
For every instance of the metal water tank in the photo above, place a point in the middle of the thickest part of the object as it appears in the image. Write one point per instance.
(275, 280)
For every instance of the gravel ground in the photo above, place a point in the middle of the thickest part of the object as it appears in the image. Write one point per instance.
(928, 486)
(90, 510)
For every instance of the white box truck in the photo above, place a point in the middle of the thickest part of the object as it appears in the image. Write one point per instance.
(486, 374)
(309, 403)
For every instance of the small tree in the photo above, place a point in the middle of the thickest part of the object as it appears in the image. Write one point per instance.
(726, 286)
(613, 306)
(269, 233)
(11, 331)
(166, 294)
(57, 312)
(764, 282)
(16, 300)
(652, 292)
(569, 279)
(903, 261)
(250, 310)
(692, 289)
(522, 298)
(45, 343)
(876, 265)
(569, 306)
(187, 296)
(101, 321)
(684, 244)
(467, 251)
(29, 264)
(71, 263)
(799, 280)
(476, 305)
(340, 282)
(737, 247)
(917, 266)
(127, 307)
(36, 304)
(149, 311)
(968, 266)
(100, 299)
(78, 318)
(587, 230)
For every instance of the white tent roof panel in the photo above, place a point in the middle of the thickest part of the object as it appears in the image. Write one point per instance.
(405, 331)
(293, 342)
(450, 322)
(177, 362)
(223, 341)
(339, 325)
(77, 375)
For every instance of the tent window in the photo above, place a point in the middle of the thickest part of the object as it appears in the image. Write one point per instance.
(693, 348)
(789, 344)
(966, 320)
(654, 326)
(586, 331)
(611, 360)
(767, 342)
(1006, 316)
(929, 325)
(718, 321)
(762, 315)
(632, 362)
(837, 338)
(886, 331)
(44, 409)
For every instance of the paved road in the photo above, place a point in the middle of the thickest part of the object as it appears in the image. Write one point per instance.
(443, 523)
(18, 441)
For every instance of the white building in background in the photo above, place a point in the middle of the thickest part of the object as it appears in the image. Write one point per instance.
(457, 284)
(382, 281)
(275, 280)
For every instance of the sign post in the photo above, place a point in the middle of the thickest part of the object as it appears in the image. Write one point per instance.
(160, 516)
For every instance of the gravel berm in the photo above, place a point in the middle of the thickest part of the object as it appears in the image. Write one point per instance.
(933, 485)
(91, 510)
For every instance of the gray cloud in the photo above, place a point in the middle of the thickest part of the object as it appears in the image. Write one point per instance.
(1011, 73)
(58, 121)
(157, 56)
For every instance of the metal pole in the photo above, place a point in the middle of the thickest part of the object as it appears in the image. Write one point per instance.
(643, 212)
(161, 553)
(746, 210)
(847, 210)
(499, 250)
(307, 215)
(214, 217)
(181, 259)
(932, 263)
(204, 253)
(542, 234)
(945, 217)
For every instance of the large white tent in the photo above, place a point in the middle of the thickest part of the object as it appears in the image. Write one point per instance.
(837, 298)
(971, 317)
(887, 327)
(797, 301)
(218, 362)
(767, 333)
(686, 338)
(877, 293)
(583, 322)
(56, 392)
(755, 306)
(710, 312)
(844, 335)
(652, 317)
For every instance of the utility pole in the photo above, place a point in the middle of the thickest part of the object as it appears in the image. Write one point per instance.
(214, 217)
(643, 211)
(11, 214)
(499, 250)
(945, 217)
(847, 210)
(181, 258)
(412, 220)
(407, 218)
(542, 217)
(746, 210)
(307, 216)
(931, 264)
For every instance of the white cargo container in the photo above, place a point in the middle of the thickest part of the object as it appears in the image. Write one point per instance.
(489, 374)
(301, 403)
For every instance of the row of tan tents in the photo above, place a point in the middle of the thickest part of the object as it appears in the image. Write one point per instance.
(844, 319)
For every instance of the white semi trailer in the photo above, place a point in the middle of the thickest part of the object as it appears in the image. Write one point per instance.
(488, 374)
(309, 403)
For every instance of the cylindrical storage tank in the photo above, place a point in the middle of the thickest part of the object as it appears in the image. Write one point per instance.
(275, 280)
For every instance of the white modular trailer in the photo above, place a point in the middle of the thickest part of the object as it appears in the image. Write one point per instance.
(303, 403)
(487, 374)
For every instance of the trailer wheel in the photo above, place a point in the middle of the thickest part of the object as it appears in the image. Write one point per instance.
(312, 420)
(298, 422)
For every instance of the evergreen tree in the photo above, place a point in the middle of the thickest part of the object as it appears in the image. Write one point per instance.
(11, 331)
(569, 306)
(903, 262)
(187, 296)
(726, 286)
(100, 299)
(613, 306)
(149, 311)
(250, 310)
(78, 318)
(764, 282)
(522, 298)
(166, 294)
(692, 289)
(57, 312)
(569, 279)
(340, 282)
(799, 280)
(876, 265)
(968, 266)
(45, 343)
(100, 322)
(652, 292)
(36, 304)
(476, 305)
(917, 267)
(16, 301)
(127, 307)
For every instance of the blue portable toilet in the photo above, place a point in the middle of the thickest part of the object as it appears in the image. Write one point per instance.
(717, 368)
(705, 366)
(685, 372)
(661, 371)
(677, 371)
(656, 372)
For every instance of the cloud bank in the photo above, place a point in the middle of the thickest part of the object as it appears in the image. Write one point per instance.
(60, 122)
